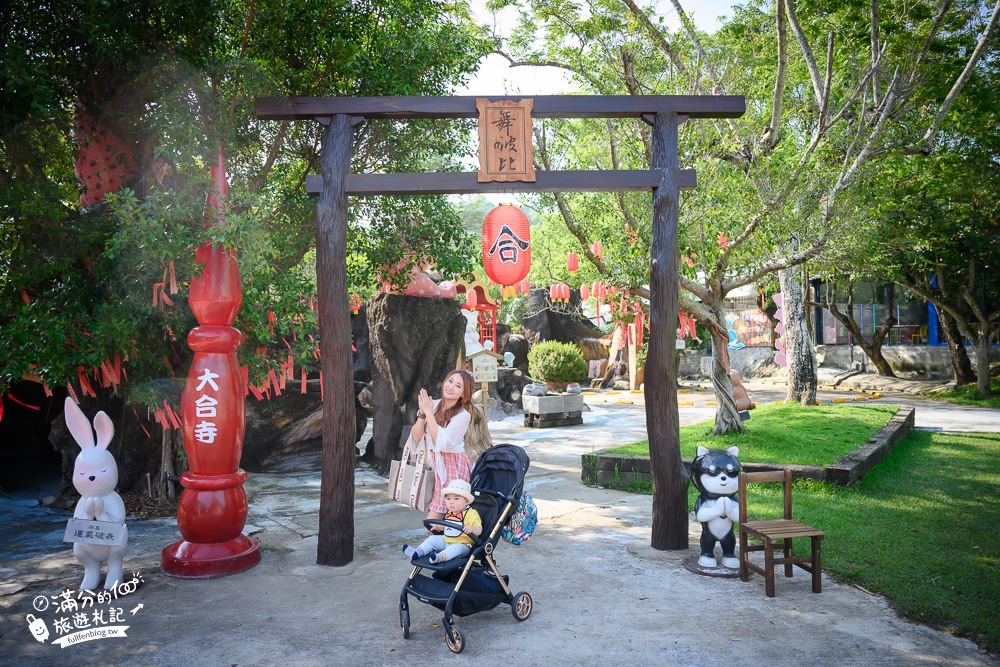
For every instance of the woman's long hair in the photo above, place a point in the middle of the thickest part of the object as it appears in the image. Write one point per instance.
(443, 416)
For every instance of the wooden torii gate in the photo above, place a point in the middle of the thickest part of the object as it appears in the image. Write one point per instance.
(665, 179)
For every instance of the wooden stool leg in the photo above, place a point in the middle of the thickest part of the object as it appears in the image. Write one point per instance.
(769, 568)
(817, 581)
(788, 554)
(744, 558)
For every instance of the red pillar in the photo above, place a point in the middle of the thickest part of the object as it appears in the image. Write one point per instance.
(213, 507)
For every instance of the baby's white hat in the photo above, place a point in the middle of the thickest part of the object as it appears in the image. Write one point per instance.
(459, 487)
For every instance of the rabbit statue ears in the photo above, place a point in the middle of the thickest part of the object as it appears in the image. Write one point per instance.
(83, 433)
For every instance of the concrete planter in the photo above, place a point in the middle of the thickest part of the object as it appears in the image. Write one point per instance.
(558, 410)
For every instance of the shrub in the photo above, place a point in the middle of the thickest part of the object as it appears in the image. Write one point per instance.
(552, 361)
(640, 357)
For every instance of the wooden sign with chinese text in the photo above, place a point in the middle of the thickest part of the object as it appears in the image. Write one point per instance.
(484, 368)
(505, 149)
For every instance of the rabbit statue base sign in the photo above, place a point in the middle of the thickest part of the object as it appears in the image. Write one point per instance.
(97, 528)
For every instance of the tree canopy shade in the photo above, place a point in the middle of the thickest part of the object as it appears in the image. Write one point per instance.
(173, 83)
(833, 90)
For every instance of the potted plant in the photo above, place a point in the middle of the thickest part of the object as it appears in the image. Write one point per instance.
(556, 364)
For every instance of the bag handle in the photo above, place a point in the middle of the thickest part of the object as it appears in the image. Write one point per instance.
(418, 472)
(397, 488)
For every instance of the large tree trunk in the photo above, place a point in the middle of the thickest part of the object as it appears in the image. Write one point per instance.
(983, 362)
(169, 445)
(415, 341)
(727, 415)
(961, 366)
(798, 347)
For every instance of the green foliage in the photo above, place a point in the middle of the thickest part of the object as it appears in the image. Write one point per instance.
(640, 356)
(552, 361)
(178, 79)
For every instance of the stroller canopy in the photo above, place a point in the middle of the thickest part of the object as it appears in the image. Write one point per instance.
(501, 469)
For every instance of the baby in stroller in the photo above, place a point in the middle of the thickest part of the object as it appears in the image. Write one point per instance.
(453, 543)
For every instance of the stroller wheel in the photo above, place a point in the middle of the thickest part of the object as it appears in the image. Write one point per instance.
(453, 637)
(404, 622)
(521, 606)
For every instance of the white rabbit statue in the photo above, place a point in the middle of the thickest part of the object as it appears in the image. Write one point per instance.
(95, 476)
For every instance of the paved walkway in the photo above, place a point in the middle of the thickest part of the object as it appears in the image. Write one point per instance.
(601, 594)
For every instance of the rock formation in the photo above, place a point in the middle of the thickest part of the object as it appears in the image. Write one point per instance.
(414, 342)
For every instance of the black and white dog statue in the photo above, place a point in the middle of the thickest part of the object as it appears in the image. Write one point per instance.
(715, 473)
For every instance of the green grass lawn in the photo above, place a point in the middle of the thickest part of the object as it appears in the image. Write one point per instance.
(922, 528)
(818, 435)
(969, 395)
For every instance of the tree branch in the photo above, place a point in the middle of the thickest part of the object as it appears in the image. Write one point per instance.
(243, 48)
(806, 52)
(770, 137)
(877, 78)
(828, 82)
(775, 264)
(656, 35)
(693, 36)
(925, 49)
(272, 155)
(552, 63)
(929, 141)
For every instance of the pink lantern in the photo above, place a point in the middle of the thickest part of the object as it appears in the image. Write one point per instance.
(572, 262)
(584, 292)
(472, 299)
(597, 249)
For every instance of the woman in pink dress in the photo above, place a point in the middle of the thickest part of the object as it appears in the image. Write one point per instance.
(442, 424)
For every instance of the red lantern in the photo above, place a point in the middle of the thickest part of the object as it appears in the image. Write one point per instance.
(472, 298)
(553, 292)
(597, 249)
(572, 262)
(584, 292)
(506, 244)
(525, 287)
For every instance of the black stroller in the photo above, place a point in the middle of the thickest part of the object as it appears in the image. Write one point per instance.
(471, 584)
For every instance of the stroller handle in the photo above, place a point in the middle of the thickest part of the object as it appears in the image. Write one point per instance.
(451, 524)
